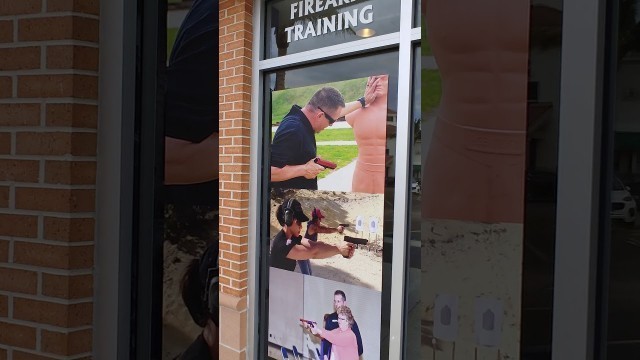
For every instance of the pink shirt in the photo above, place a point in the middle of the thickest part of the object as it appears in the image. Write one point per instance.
(344, 343)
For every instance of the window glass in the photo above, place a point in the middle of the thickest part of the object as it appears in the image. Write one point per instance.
(309, 290)
(622, 186)
(190, 191)
(295, 26)
(487, 193)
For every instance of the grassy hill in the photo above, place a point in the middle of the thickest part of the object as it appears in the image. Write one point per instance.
(282, 100)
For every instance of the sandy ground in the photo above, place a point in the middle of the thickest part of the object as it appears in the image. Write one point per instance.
(178, 330)
(365, 268)
(471, 261)
(186, 232)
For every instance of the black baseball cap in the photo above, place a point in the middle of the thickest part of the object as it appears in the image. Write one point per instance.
(296, 207)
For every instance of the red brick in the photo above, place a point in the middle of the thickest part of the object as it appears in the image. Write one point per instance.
(19, 114)
(81, 6)
(72, 57)
(20, 355)
(48, 86)
(17, 335)
(44, 312)
(19, 58)
(58, 28)
(20, 281)
(56, 143)
(19, 170)
(18, 225)
(6, 31)
(72, 343)
(70, 172)
(53, 256)
(4, 307)
(65, 229)
(14, 7)
(6, 87)
(67, 287)
(72, 115)
(4, 251)
(56, 200)
(4, 196)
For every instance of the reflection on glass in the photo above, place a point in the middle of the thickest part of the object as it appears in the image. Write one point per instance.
(490, 77)
(414, 310)
(295, 26)
(623, 333)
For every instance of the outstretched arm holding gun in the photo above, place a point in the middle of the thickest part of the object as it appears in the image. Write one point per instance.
(356, 240)
(321, 229)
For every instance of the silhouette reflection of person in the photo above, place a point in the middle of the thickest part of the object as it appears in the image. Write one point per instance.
(475, 167)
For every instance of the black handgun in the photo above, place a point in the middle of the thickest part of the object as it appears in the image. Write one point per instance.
(344, 225)
(356, 240)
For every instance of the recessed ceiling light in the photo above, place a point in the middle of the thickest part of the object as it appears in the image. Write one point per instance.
(366, 32)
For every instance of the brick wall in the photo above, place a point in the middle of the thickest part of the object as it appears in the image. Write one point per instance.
(236, 34)
(48, 121)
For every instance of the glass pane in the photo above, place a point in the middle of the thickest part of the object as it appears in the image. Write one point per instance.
(414, 259)
(191, 182)
(487, 193)
(308, 290)
(623, 334)
(295, 26)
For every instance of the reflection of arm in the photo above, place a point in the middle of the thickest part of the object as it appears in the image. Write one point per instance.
(191, 163)
(287, 172)
(356, 331)
(312, 250)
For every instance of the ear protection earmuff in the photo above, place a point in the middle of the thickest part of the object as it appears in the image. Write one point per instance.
(209, 272)
(288, 213)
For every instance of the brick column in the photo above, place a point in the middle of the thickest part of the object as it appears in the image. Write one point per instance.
(236, 35)
(48, 122)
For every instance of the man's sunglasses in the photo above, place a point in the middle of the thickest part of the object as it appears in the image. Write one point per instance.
(329, 118)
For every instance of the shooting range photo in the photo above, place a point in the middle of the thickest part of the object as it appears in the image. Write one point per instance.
(334, 221)
(315, 318)
(331, 136)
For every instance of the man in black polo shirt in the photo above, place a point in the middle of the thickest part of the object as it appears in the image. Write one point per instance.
(288, 246)
(293, 148)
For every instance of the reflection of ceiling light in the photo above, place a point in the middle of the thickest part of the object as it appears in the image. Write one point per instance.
(366, 32)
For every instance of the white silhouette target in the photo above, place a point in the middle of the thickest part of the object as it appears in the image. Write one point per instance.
(488, 314)
(373, 225)
(445, 317)
(359, 223)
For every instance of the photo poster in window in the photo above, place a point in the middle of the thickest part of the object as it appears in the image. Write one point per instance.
(190, 191)
(299, 302)
(473, 179)
(331, 136)
(328, 162)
